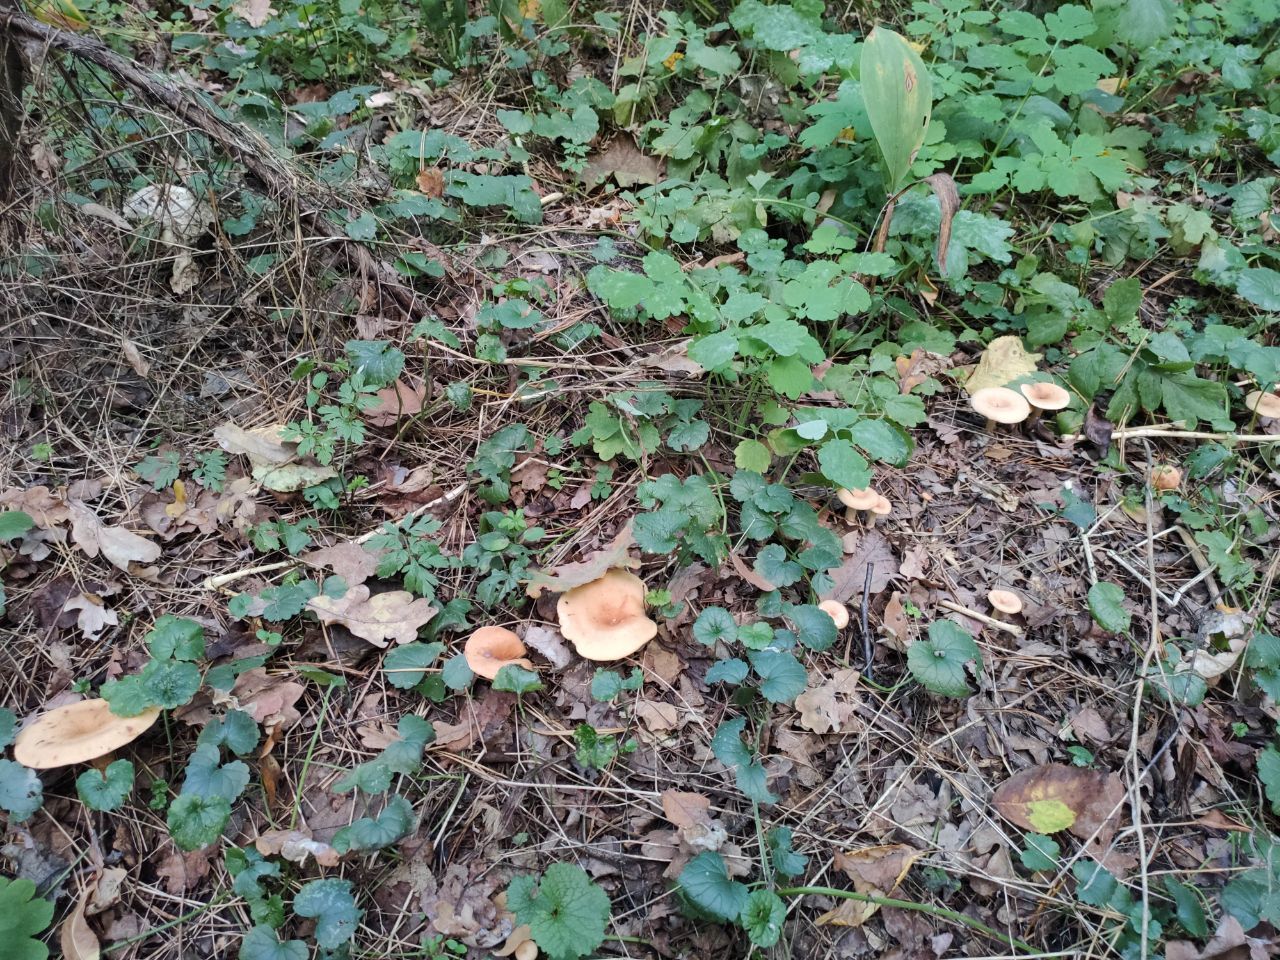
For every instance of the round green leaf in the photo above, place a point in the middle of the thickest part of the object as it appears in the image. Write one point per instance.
(1106, 604)
(938, 661)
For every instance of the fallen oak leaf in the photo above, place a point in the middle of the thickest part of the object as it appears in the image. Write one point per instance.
(875, 871)
(566, 576)
(77, 939)
(396, 401)
(116, 544)
(381, 618)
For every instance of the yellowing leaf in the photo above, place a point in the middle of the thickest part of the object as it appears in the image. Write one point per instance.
(899, 99)
(1054, 796)
(671, 61)
(1049, 816)
(1004, 361)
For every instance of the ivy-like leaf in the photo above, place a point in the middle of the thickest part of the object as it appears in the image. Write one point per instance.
(406, 665)
(236, 730)
(714, 624)
(262, 943)
(938, 661)
(107, 789)
(207, 776)
(394, 823)
(21, 792)
(566, 912)
(732, 670)
(23, 916)
(762, 917)
(782, 676)
(1106, 604)
(333, 906)
(177, 638)
(785, 860)
(706, 882)
(196, 821)
(13, 524)
(517, 680)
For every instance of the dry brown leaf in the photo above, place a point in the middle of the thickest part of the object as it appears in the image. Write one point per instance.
(1053, 797)
(92, 616)
(116, 544)
(349, 560)
(548, 642)
(876, 871)
(132, 354)
(260, 445)
(295, 846)
(105, 892)
(1089, 725)
(748, 574)
(1004, 361)
(944, 188)
(382, 618)
(77, 939)
(849, 578)
(39, 503)
(396, 401)
(895, 624)
(674, 359)
(624, 162)
(566, 576)
(430, 181)
(685, 809)
(656, 716)
(828, 706)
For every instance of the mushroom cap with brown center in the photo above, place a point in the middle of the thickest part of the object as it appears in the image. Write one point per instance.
(1165, 476)
(1006, 601)
(1001, 404)
(1263, 404)
(856, 499)
(605, 619)
(490, 649)
(78, 733)
(1046, 396)
(836, 611)
(882, 507)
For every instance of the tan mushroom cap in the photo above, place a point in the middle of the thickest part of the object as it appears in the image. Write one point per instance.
(1006, 601)
(836, 611)
(1001, 404)
(1046, 396)
(858, 499)
(1165, 476)
(1263, 404)
(605, 619)
(490, 649)
(78, 733)
(882, 507)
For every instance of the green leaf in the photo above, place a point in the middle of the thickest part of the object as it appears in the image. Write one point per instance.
(732, 671)
(406, 665)
(608, 685)
(168, 684)
(1041, 853)
(262, 943)
(772, 564)
(207, 776)
(196, 821)
(21, 792)
(379, 360)
(1143, 23)
(898, 95)
(813, 626)
(566, 912)
(393, 824)
(333, 906)
(785, 860)
(707, 884)
(1188, 908)
(236, 730)
(882, 441)
(8, 725)
(843, 465)
(1106, 604)
(729, 749)
(762, 917)
(457, 673)
(938, 661)
(1260, 286)
(1095, 885)
(13, 524)
(782, 676)
(362, 228)
(108, 789)
(516, 679)
(1269, 774)
(23, 916)
(752, 455)
(177, 638)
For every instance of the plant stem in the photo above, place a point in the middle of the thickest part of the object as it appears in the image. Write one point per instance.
(943, 912)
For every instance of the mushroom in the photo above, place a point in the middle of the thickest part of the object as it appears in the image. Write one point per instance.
(1165, 476)
(881, 508)
(1045, 396)
(1000, 405)
(1264, 404)
(78, 733)
(1005, 601)
(836, 611)
(490, 649)
(857, 502)
(605, 619)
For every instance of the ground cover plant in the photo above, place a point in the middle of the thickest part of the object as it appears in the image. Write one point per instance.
(576, 479)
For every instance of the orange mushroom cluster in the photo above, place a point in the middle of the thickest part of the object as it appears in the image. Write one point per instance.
(1008, 406)
(868, 502)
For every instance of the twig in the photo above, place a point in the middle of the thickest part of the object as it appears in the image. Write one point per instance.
(867, 651)
(1137, 433)
(1009, 628)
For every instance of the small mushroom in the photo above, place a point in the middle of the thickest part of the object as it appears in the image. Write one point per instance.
(836, 611)
(858, 499)
(1000, 405)
(78, 733)
(1045, 396)
(881, 508)
(1005, 601)
(1265, 405)
(605, 619)
(1164, 477)
(490, 649)
(527, 951)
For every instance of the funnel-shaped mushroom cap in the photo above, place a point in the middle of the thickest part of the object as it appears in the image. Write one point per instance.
(858, 499)
(1263, 404)
(1001, 404)
(882, 507)
(490, 649)
(1046, 396)
(836, 611)
(1006, 601)
(605, 619)
(78, 733)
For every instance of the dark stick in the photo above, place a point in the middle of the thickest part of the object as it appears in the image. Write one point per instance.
(866, 629)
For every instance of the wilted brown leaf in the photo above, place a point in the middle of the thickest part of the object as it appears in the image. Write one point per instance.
(848, 578)
(685, 809)
(382, 618)
(566, 576)
(876, 871)
(895, 624)
(1053, 797)
(624, 162)
(740, 567)
(827, 707)
(46, 508)
(77, 939)
(396, 401)
(349, 560)
(430, 181)
(92, 615)
(295, 846)
(944, 188)
(116, 544)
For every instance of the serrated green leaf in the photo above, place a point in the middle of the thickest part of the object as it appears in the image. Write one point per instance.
(457, 673)
(782, 676)
(706, 882)
(516, 679)
(882, 441)
(177, 638)
(333, 905)
(21, 792)
(813, 626)
(1106, 605)
(393, 824)
(843, 465)
(762, 917)
(938, 661)
(167, 684)
(262, 943)
(772, 564)
(732, 671)
(1041, 853)
(785, 860)
(23, 916)
(236, 730)
(107, 789)
(752, 455)
(566, 912)
(196, 821)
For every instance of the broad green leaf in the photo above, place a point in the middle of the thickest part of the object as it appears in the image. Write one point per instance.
(196, 821)
(843, 465)
(13, 524)
(608, 685)
(333, 905)
(1106, 604)
(1189, 909)
(1269, 774)
(1143, 23)
(107, 789)
(394, 823)
(207, 776)
(516, 679)
(236, 730)
(566, 912)
(898, 95)
(782, 676)
(168, 684)
(406, 665)
(23, 916)
(714, 625)
(762, 917)
(1041, 853)
(938, 661)
(772, 564)
(457, 673)
(882, 441)
(1260, 286)
(176, 638)
(21, 792)
(785, 860)
(814, 627)
(706, 882)
(732, 671)
(752, 455)
(262, 943)
(8, 724)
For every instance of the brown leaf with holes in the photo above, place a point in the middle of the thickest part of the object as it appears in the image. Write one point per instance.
(383, 618)
(566, 576)
(875, 871)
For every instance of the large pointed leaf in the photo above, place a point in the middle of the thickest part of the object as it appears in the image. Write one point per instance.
(899, 99)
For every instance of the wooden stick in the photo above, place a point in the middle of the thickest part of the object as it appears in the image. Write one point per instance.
(1136, 433)
(1010, 628)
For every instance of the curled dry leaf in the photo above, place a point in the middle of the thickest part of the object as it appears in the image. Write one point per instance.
(1053, 797)
(92, 615)
(117, 545)
(295, 846)
(382, 618)
(944, 188)
(349, 560)
(876, 871)
(566, 576)
(275, 462)
(548, 642)
(43, 506)
(1004, 361)
(77, 939)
